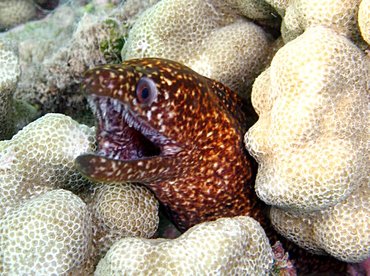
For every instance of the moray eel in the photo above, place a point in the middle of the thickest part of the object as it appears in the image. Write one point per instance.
(180, 134)
(177, 132)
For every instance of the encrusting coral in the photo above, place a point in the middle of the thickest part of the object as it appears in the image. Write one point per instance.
(364, 20)
(47, 235)
(311, 139)
(226, 246)
(341, 231)
(208, 36)
(339, 15)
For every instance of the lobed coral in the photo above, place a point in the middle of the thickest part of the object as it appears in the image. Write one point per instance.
(208, 36)
(228, 245)
(121, 210)
(339, 15)
(40, 158)
(38, 161)
(311, 137)
(364, 20)
(47, 235)
(341, 231)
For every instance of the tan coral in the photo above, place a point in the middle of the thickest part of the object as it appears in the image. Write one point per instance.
(47, 235)
(121, 210)
(14, 12)
(340, 15)
(232, 246)
(364, 20)
(311, 139)
(41, 157)
(341, 231)
(208, 36)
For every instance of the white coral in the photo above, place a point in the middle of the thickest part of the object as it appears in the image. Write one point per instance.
(341, 231)
(234, 246)
(47, 235)
(311, 139)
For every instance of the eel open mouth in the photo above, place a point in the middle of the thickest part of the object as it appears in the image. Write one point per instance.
(123, 136)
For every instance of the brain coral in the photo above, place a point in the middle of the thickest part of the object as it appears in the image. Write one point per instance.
(364, 20)
(122, 210)
(208, 36)
(47, 235)
(341, 231)
(311, 139)
(14, 12)
(339, 15)
(234, 246)
(41, 157)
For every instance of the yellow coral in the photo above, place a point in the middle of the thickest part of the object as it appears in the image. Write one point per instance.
(341, 231)
(47, 235)
(121, 210)
(339, 15)
(41, 157)
(311, 139)
(208, 36)
(235, 246)
(364, 20)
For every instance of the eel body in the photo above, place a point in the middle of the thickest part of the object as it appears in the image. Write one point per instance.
(177, 132)
(180, 134)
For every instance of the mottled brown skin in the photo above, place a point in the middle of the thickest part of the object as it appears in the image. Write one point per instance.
(211, 175)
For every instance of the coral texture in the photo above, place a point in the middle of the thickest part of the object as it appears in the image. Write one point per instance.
(47, 235)
(341, 231)
(339, 15)
(14, 12)
(311, 139)
(9, 74)
(121, 210)
(208, 36)
(228, 245)
(364, 20)
(41, 157)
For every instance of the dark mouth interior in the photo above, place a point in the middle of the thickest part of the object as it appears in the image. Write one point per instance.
(120, 135)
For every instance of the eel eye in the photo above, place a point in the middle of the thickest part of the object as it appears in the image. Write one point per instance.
(146, 91)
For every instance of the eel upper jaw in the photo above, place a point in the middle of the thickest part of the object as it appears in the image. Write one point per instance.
(122, 136)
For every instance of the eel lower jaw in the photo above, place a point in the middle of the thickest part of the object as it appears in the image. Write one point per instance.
(123, 137)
